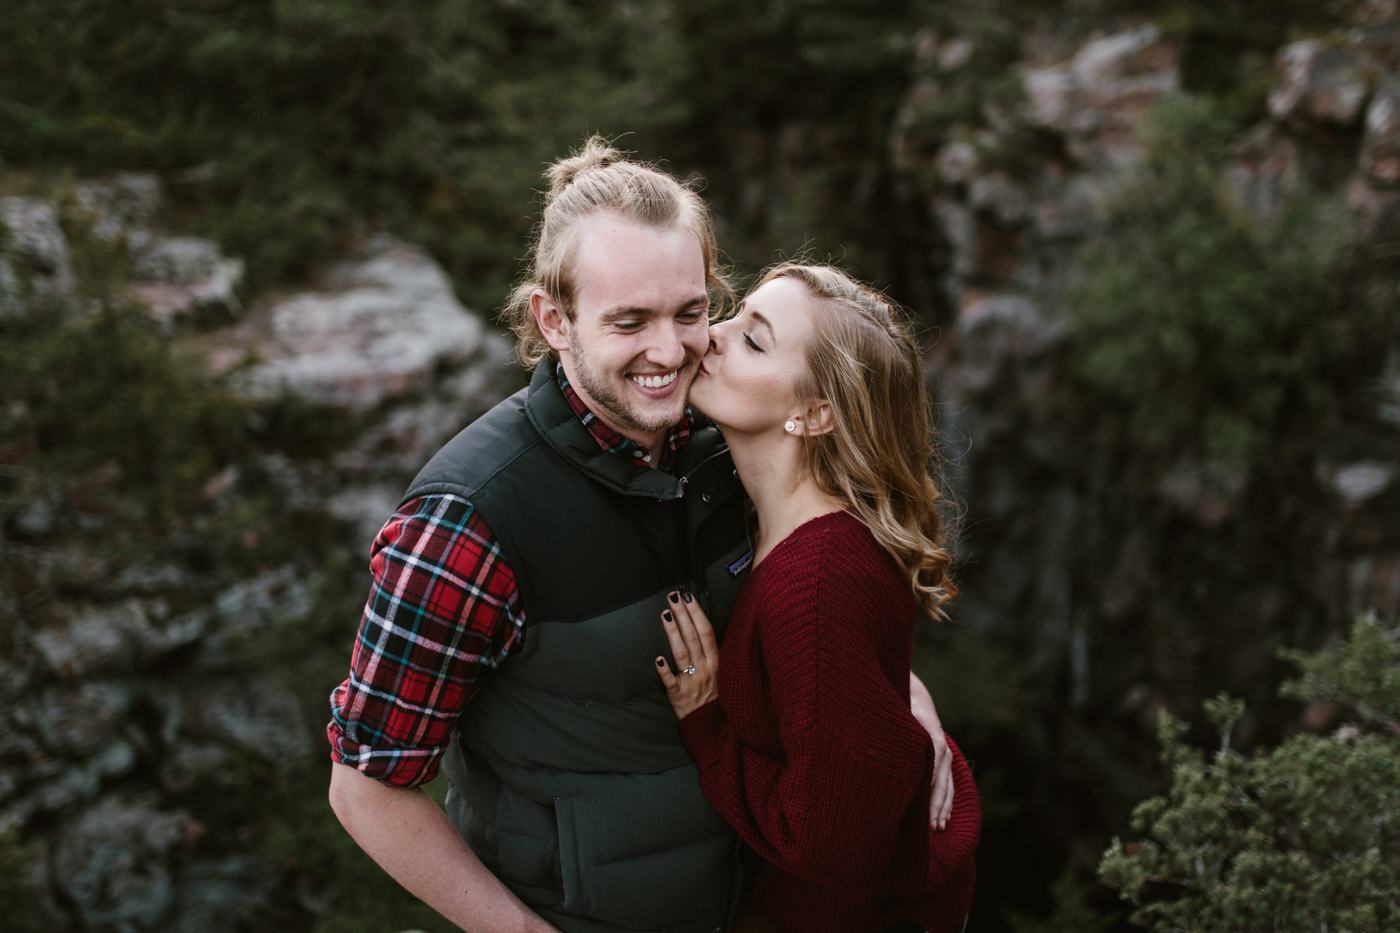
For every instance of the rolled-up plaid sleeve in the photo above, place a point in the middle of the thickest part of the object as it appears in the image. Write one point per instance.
(444, 611)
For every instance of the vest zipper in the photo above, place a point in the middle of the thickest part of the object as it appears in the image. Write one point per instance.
(685, 480)
(719, 453)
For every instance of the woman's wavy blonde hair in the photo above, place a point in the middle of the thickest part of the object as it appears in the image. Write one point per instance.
(594, 179)
(864, 362)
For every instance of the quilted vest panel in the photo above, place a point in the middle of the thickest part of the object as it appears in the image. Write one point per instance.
(568, 776)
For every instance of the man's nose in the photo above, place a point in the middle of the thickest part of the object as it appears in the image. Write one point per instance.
(667, 349)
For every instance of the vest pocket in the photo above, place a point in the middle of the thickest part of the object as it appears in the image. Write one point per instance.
(525, 840)
(648, 853)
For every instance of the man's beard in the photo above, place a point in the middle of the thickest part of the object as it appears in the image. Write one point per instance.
(611, 400)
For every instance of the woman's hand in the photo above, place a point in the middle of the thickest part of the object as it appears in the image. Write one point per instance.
(921, 705)
(696, 653)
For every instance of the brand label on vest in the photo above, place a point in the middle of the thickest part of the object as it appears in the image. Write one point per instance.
(742, 564)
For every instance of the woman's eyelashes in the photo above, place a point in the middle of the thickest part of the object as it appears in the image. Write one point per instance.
(752, 346)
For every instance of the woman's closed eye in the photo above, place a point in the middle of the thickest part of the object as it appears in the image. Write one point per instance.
(752, 346)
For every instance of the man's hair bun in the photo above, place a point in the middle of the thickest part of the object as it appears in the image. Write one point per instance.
(596, 153)
(598, 178)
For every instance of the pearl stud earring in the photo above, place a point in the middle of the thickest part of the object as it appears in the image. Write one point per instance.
(789, 426)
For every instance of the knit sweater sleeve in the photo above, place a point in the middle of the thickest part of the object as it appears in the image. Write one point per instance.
(853, 756)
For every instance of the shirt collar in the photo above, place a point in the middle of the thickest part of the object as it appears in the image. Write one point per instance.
(615, 443)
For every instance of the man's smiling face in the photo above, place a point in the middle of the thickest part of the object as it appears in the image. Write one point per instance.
(640, 323)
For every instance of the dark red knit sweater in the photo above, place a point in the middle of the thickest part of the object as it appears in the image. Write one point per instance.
(812, 754)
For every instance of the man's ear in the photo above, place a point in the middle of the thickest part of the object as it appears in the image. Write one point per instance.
(550, 317)
(816, 420)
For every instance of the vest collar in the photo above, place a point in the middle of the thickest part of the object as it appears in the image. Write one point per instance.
(561, 429)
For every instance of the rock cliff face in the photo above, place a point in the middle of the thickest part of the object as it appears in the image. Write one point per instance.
(175, 276)
(130, 685)
(1118, 601)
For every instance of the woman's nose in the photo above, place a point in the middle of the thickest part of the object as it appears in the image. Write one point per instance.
(717, 333)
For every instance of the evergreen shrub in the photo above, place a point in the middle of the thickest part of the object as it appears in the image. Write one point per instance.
(88, 382)
(1203, 330)
(1304, 837)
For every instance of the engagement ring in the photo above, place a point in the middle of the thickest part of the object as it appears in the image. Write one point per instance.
(690, 670)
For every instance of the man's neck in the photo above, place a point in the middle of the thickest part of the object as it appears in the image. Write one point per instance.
(651, 442)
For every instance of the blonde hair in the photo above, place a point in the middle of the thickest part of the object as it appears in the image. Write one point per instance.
(864, 362)
(600, 178)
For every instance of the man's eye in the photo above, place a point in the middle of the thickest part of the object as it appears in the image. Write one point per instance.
(628, 325)
(752, 346)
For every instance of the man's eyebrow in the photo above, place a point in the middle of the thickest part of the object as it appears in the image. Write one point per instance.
(637, 311)
(626, 311)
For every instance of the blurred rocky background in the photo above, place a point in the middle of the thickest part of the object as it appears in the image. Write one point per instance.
(250, 264)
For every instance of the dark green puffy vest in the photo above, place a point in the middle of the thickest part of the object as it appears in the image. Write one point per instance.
(568, 776)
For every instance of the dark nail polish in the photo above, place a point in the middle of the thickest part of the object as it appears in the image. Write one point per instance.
(660, 662)
(666, 615)
(673, 597)
(689, 598)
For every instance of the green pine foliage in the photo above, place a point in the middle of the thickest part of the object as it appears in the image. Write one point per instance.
(1072, 913)
(979, 682)
(89, 383)
(1201, 331)
(117, 428)
(18, 899)
(288, 126)
(1303, 837)
(1228, 46)
(286, 129)
(1364, 676)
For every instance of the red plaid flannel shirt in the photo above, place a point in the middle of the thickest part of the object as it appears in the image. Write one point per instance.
(443, 612)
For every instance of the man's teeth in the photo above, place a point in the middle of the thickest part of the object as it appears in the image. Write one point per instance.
(655, 382)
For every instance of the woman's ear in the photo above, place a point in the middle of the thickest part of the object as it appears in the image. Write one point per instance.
(816, 420)
(550, 317)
